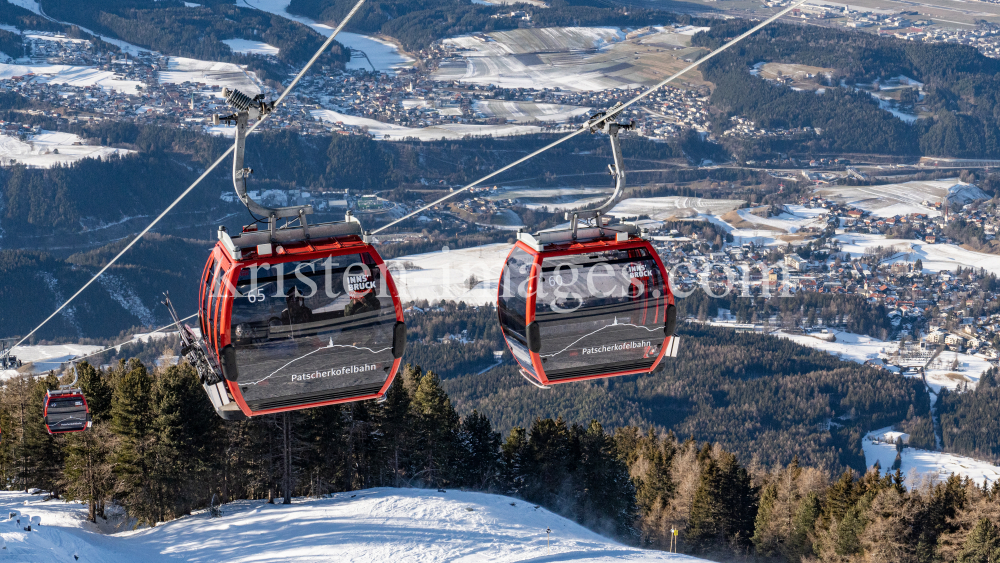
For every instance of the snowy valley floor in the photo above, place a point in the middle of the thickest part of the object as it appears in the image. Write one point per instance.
(373, 525)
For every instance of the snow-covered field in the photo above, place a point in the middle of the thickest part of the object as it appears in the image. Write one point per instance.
(71, 75)
(389, 131)
(860, 348)
(250, 47)
(798, 217)
(668, 207)
(446, 275)
(917, 464)
(180, 69)
(934, 257)
(941, 374)
(373, 525)
(555, 57)
(902, 199)
(46, 358)
(383, 54)
(847, 345)
(528, 111)
(49, 148)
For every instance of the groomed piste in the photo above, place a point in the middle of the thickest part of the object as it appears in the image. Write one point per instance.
(373, 525)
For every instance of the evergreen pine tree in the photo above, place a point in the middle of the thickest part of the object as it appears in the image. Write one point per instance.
(982, 545)
(799, 544)
(134, 456)
(548, 464)
(396, 425)
(479, 462)
(514, 454)
(97, 390)
(186, 431)
(437, 425)
(608, 495)
(703, 530)
(762, 539)
(88, 473)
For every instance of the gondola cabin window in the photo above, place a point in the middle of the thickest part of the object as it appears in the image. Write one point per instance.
(513, 304)
(311, 330)
(601, 312)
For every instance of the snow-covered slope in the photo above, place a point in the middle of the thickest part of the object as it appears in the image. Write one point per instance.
(374, 525)
(918, 464)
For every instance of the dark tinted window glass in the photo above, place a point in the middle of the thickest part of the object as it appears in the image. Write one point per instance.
(312, 327)
(513, 304)
(601, 309)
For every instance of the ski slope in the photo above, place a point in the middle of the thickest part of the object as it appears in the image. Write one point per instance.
(374, 525)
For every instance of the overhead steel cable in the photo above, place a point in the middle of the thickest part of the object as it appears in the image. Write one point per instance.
(120, 344)
(615, 110)
(217, 162)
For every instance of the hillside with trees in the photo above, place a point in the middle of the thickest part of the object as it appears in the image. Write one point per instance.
(174, 28)
(759, 396)
(158, 451)
(418, 23)
(960, 83)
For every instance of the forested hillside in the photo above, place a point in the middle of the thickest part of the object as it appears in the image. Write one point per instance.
(759, 396)
(969, 424)
(173, 28)
(92, 193)
(962, 89)
(127, 296)
(417, 23)
(158, 451)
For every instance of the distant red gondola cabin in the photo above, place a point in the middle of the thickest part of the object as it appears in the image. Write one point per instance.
(299, 324)
(66, 410)
(586, 305)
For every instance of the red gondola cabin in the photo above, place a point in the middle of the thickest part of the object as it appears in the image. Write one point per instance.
(588, 304)
(66, 411)
(298, 324)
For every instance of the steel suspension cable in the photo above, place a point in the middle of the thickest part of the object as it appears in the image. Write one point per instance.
(217, 162)
(120, 344)
(586, 127)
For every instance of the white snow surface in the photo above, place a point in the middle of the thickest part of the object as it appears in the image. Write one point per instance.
(906, 198)
(848, 346)
(798, 217)
(860, 348)
(528, 111)
(571, 58)
(69, 74)
(674, 206)
(383, 54)
(934, 257)
(372, 525)
(210, 73)
(47, 358)
(441, 275)
(30, 5)
(250, 47)
(936, 466)
(38, 150)
(393, 132)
